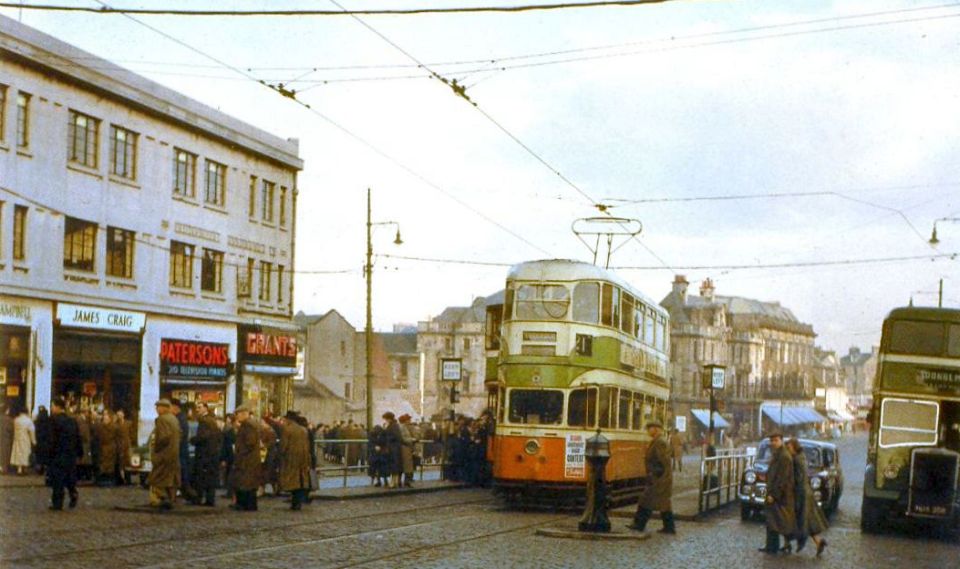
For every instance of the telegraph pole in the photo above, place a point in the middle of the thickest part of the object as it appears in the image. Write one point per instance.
(368, 330)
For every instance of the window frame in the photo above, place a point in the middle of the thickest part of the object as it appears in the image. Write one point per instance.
(245, 278)
(129, 147)
(126, 250)
(181, 264)
(86, 152)
(4, 89)
(23, 119)
(20, 232)
(80, 244)
(552, 392)
(211, 271)
(268, 192)
(884, 428)
(219, 183)
(266, 270)
(282, 206)
(185, 177)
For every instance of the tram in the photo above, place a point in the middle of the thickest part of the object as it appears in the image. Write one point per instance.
(573, 349)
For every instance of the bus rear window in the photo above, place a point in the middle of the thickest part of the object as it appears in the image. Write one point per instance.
(922, 338)
(582, 411)
(536, 406)
(908, 423)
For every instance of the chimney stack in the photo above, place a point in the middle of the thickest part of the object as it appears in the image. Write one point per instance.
(680, 285)
(706, 289)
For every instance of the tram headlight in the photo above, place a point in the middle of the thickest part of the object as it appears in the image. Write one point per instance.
(815, 482)
(750, 477)
(531, 447)
(891, 471)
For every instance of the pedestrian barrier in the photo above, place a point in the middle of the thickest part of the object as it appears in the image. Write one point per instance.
(720, 477)
(341, 457)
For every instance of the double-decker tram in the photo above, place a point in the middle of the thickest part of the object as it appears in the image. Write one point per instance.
(913, 456)
(579, 350)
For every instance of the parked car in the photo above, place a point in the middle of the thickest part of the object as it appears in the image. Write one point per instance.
(823, 467)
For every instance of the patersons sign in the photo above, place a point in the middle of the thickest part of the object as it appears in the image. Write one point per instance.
(259, 344)
(190, 359)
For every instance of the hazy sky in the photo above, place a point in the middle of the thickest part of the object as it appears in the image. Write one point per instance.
(854, 102)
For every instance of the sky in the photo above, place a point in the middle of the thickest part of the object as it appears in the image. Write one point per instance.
(808, 135)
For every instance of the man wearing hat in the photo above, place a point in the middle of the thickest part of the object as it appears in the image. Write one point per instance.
(246, 474)
(294, 460)
(164, 479)
(779, 510)
(656, 496)
(65, 450)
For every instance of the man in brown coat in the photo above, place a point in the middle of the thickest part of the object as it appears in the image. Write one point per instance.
(294, 460)
(780, 506)
(246, 473)
(164, 479)
(657, 495)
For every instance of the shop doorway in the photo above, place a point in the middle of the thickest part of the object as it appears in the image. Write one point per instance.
(97, 371)
(14, 355)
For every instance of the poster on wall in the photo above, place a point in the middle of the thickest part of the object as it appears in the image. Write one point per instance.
(574, 462)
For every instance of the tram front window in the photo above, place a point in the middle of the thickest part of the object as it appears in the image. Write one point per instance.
(542, 302)
(582, 408)
(536, 406)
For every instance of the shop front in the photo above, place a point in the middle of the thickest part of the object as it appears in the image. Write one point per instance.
(14, 354)
(195, 371)
(96, 357)
(267, 363)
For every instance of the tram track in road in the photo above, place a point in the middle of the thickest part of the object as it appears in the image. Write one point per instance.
(261, 525)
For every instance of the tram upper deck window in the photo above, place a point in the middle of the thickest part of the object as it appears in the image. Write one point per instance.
(648, 323)
(582, 408)
(542, 302)
(586, 303)
(626, 311)
(913, 337)
(661, 333)
(536, 406)
(606, 305)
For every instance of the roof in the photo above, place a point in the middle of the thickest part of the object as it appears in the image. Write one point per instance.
(743, 311)
(99, 75)
(399, 343)
(476, 312)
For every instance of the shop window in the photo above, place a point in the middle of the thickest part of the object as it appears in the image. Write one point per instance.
(211, 271)
(266, 270)
(19, 232)
(83, 135)
(120, 252)
(79, 244)
(184, 173)
(181, 264)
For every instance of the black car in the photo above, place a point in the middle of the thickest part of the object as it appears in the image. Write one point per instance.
(823, 467)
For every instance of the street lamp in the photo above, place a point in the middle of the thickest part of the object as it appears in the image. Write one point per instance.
(933, 236)
(368, 331)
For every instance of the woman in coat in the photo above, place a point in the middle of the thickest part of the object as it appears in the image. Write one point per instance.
(206, 457)
(407, 440)
(393, 439)
(780, 501)
(24, 439)
(810, 519)
(294, 460)
(108, 434)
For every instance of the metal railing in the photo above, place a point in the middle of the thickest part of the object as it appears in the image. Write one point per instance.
(345, 457)
(720, 477)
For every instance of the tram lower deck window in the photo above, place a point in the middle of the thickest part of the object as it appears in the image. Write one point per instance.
(536, 406)
(582, 411)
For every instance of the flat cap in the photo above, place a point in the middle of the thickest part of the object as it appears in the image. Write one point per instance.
(651, 424)
(162, 403)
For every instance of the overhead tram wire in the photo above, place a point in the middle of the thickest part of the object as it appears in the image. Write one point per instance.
(292, 96)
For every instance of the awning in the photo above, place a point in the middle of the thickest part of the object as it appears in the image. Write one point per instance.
(792, 415)
(703, 417)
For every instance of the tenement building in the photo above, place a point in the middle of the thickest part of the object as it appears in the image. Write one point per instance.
(146, 240)
(766, 352)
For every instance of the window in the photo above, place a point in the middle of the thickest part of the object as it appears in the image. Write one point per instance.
(83, 131)
(23, 120)
(607, 407)
(908, 423)
(184, 173)
(953, 340)
(542, 302)
(623, 414)
(346, 390)
(215, 183)
(252, 198)
(266, 200)
(536, 406)
(283, 206)
(265, 270)
(648, 323)
(582, 408)
(211, 271)
(181, 264)
(626, 311)
(3, 112)
(586, 303)
(123, 152)
(244, 279)
(466, 344)
(19, 232)
(119, 252)
(921, 338)
(637, 408)
(279, 284)
(606, 305)
(79, 244)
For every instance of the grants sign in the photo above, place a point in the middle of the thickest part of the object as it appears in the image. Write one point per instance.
(268, 346)
(194, 360)
(74, 316)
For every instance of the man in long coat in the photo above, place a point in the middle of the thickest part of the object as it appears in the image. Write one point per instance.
(246, 474)
(164, 479)
(294, 460)
(780, 506)
(657, 495)
(108, 435)
(65, 450)
(206, 458)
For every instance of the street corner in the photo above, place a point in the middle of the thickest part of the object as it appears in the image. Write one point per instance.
(569, 530)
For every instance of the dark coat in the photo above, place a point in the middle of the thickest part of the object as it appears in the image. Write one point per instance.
(184, 445)
(393, 439)
(108, 437)
(659, 465)
(810, 518)
(294, 457)
(42, 427)
(206, 458)
(65, 447)
(246, 473)
(780, 507)
(229, 439)
(6, 441)
(165, 453)
(124, 436)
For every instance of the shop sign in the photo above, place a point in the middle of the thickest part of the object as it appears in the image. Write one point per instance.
(76, 316)
(270, 346)
(12, 313)
(200, 360)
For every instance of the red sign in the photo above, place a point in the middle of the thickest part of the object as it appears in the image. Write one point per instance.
(264, 344)
(183, 352)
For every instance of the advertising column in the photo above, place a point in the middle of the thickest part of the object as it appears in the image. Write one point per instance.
(195, 371)
(267, 363)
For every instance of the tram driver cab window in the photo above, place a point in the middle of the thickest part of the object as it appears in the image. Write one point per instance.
(536, 406)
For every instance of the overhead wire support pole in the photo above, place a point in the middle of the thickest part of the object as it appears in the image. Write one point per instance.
(368, 329)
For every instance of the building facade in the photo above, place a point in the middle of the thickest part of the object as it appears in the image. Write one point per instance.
(859, 369)
(146, 240)
(766, 352)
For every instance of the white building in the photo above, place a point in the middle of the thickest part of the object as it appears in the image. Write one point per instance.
(146, 240)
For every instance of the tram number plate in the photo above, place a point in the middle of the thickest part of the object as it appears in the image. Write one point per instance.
(574, 461)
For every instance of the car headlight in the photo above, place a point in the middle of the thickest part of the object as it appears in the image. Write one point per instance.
(531, 446)
(815, 482)
(891, 471)
(750, 477)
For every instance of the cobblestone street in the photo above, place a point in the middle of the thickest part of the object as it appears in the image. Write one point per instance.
(456, 528)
